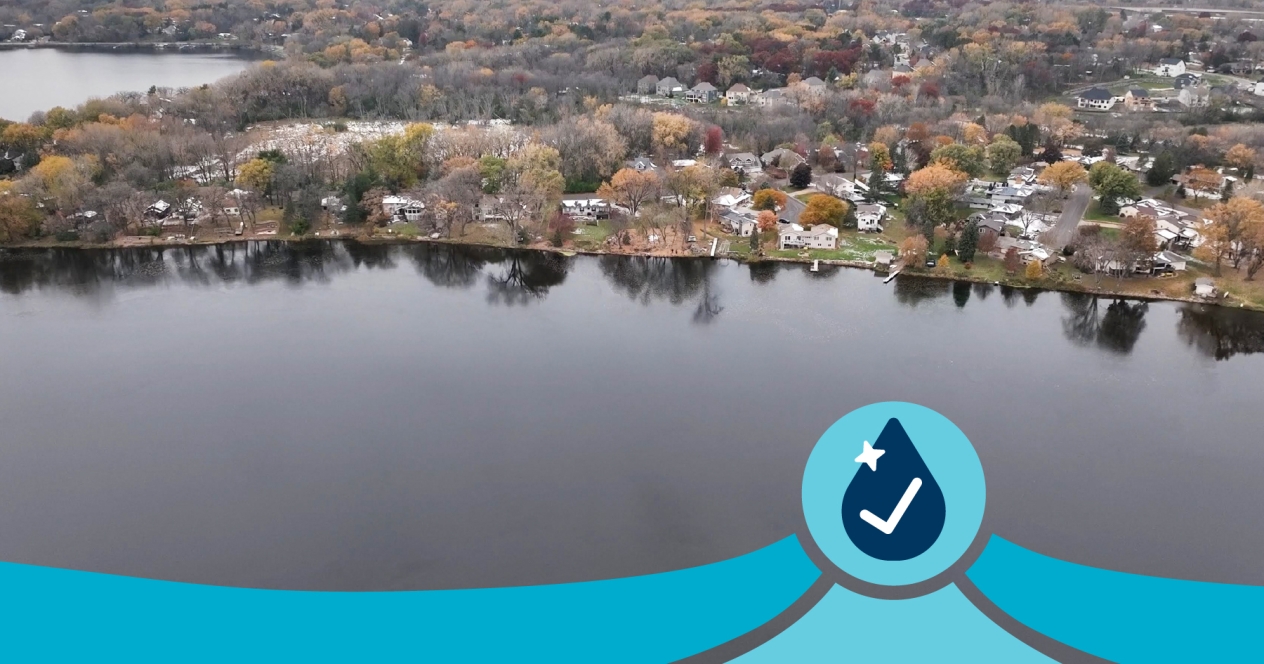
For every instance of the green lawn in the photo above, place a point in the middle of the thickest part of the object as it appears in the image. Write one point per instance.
(591, 236)
(1094, 213)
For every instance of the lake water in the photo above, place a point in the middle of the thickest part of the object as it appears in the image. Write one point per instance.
(41, 78)
(387, 417)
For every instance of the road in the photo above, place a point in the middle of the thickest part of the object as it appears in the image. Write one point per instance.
(1072, 213)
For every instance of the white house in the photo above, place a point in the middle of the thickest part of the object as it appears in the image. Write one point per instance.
(794, 236)
(402, 207)
(1097, 99)
(745, 162)
(738, 94)
(585, 207)
(1194, 96)
(869, 217)
(1170, 67)
(730, 197)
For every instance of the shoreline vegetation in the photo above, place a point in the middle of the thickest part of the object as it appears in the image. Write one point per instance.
(1130, 289)
(672, 130)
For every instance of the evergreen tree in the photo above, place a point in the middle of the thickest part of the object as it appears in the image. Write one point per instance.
(1162, 170)
(801, 176)
(754, 240)
(969, 242)
(1227, 192)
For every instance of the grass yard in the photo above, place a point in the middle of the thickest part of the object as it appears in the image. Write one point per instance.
(1094, 213)
(591, 236)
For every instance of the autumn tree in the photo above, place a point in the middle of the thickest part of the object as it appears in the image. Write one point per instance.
(931, 195)
(714, 141)
(1229, 224)
(913, 250)
(768, 199)
(1034, 268)
(968, 159)
(1011, 260)
(767, 221)
(1063, 176)
(1138, 235)
(879, 163)
(1203, 180)
(19, 218)
(630, 188)
(257, 175)
(1240, 157)
(1003, 154)
(670, 134)
(1111, 184)
(824, 209)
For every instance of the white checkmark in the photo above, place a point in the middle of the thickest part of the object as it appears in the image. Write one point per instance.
(887, 527)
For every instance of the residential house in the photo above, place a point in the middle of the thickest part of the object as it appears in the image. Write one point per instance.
(669, 87)
(794, 236)
(488, 208)
(1138, 99)
(403, 208)
(643, 164)
(813, 85)
(585, 207)
(333, 204)
(738, 94)
(1186, 80)
(729, 198)
(840, 186)
(1170, 67)
(745, 162)
(901, 70)
(774, 98)
(158, 211)
(702, 93)
(869, 217)
(988, 195)
(783, 158)
(1097, 99)
(1166, 261)
(1194, 96)
(741, 221)
(648, 85)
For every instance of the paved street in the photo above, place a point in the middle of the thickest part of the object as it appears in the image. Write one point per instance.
(1072, 213)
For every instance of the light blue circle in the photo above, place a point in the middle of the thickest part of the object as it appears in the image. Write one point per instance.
(951, 460)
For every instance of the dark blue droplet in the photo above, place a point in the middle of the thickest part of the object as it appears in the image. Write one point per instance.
(900, 471)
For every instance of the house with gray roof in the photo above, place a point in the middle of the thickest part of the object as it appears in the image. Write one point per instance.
(669, 87)
(647, 85)
(702, 93)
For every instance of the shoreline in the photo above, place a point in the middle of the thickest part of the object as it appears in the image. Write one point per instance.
(1051, 286)
(156, 47)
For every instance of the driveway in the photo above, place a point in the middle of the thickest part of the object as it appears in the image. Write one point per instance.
(1072, 212)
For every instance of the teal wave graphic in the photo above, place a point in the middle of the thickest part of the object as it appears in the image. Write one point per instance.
(1119, 616)
(64, 615)
(844, 626)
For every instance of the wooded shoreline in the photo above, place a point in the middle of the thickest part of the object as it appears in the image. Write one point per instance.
(1043, 285)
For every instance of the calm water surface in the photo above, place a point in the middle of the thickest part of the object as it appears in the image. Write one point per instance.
(39, 79)
(350, 417)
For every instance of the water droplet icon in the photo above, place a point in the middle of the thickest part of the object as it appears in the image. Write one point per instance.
(893, 508)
